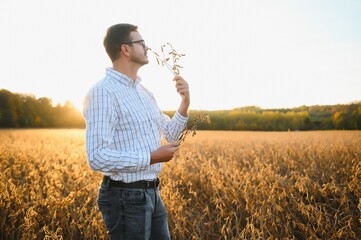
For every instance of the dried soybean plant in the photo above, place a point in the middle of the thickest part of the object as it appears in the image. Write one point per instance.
(192, 127)
(174, 67)
(164, 60)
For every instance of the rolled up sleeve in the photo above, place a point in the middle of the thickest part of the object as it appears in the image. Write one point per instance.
(172, 128)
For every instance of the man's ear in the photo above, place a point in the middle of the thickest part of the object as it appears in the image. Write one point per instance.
(124, 49)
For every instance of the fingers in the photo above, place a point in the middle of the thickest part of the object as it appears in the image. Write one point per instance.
(183, 90)
(164, 153)
(173, 146)
(180, 82)
(181, 85)
(170, 146)
(170, 150)
(176, 78)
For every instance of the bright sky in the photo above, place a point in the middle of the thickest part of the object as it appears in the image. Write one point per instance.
(238, 53)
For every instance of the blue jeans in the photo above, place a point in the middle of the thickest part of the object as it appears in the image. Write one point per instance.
(133, 213)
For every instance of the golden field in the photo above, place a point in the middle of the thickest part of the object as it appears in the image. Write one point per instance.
(221, 185)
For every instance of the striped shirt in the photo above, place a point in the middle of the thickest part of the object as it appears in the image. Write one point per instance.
(123, 126)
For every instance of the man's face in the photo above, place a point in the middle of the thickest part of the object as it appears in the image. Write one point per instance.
(138, 49)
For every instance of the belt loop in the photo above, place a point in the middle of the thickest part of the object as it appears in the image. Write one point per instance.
(107, 181)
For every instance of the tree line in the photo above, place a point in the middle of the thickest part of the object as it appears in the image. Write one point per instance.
(26, 111)
(253, 118)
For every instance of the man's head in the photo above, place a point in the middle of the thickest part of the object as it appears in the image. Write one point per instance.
(116, 36)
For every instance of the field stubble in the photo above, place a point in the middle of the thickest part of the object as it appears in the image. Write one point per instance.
(221, 185)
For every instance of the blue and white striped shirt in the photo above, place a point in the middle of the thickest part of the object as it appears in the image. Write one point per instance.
(123, 126)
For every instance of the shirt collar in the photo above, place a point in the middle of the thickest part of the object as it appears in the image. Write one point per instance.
(122, 78)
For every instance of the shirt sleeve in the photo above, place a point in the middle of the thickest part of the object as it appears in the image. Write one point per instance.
(172, 128)
(100, 116)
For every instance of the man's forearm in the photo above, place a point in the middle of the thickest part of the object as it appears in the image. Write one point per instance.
(183, 108)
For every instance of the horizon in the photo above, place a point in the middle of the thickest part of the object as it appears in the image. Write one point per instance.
(191, 109)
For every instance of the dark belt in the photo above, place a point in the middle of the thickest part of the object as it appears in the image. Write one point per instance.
(138, 184)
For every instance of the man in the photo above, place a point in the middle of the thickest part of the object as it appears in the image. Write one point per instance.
(124, 126)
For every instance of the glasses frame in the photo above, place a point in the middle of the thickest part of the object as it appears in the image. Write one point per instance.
(142, 42)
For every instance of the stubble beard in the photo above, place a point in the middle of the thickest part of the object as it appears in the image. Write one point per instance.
(141, 60)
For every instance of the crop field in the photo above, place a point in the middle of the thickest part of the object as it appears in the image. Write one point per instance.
(221, 185)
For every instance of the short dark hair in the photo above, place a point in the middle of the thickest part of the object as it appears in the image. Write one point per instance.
(117, 35)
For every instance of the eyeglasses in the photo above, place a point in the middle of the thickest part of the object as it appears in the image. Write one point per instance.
(141, 42)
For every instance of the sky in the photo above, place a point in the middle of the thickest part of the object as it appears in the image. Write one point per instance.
(271, 54)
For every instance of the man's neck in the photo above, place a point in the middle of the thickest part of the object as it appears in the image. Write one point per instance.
(126, 69)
